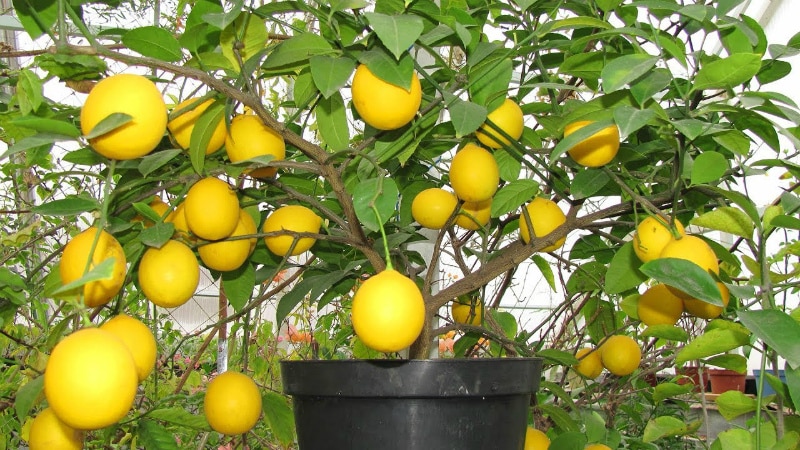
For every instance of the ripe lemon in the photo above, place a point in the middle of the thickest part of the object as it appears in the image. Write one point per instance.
(230, 254)
(508, 117)
(474, 215)
(545, 216)
(139, 340)
(596, 150)
(659, 306)
(651, 236)
(48, 432)
(168, 276)
(74, 261)
(232, 403)
(211, 209)
(135, 96)
(388, 311)
(474, 174)
(383, 105)
(432, 207)
(705, 310)
(536, 440)
(694, 249)
(90, 380)
(294, 219)
(248, 137)
(597, 447)
(178, 218)
(182, 125)
(467, 311)
(589, 364)
(620, 355)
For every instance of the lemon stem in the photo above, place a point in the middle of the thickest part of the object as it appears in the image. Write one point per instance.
(383, 235)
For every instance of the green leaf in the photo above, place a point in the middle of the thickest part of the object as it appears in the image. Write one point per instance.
(709, 166)
(332, 122)
(664, 391)
(157, 234)
(728, 72)
(512, 195)
(559, 357)
(108, 124)
(50, 126)
(330, 74)
(668, 332)
(154, 436)
(297, 51)
(734, 439)
(381, 64)
(154, 42)
(72, 67)
(465, 116)
(728, 219)
(588, 182)
(238, 285)
(507, 322)
(29, 91)
(561, 418)
(733, 140)
(243, 39)
(743, 201)
(686, 276)
(733, 404)
(570, 141)
(156, 160)
(777, 329)
(668, 426)
(26, 397)
(31, 142)
(546, 269)
(728, 361)
(790, 441)
(630, 119)
(489, 80)
(509, 166)
(773, 71)
(102, 271)
(623, 273)
(181, 417)
(397, 33)
(625, 69)
(204, 128)
(221, 20)
(382, 193)
(601, 318)
(36, 16)
(70, 206)
(279, 417)
(312, 286)
(711, 343)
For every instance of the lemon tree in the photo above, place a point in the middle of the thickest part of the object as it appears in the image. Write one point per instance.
(559, 158)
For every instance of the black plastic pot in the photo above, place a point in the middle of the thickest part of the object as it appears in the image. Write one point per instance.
(465, 404)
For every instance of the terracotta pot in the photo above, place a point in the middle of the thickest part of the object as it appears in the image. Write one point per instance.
(691, 374)
(723, 380)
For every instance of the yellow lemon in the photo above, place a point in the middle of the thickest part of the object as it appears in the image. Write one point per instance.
(651, 236)
(291, 219)
(229, 254)
(545, 216)
(211, 209)
(596, 150)
(590, 365)
(474, 215)
(388, 311)
(168, 276)
(139, 340)
(508, 117)
(597, 447)
(536, 440)
(432, 207)
(620, 355)
(694, 249)
(48, 432)
(182, 125)
(232, 403)
(474, 174)
(705, 310)
(178, 218)
(248, 137)
(381, 104)
(659, 306)
(75, 261)
(90, 379)
(467, 311)
(135, 96)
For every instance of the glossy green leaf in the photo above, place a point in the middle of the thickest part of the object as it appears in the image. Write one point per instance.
(238, 285)
(26, 397)
(31, 142)
(563, 420)
(297, 50)
(601, 319)
(588, 182)
(728, 361)
(154, 436)
(397, 32)
(381, 193)
(71, 66)
(381, 64)
(330, 74)
(70, 206)
(279, 416)
(686, 276)
(728, 219)
(667, 426)
(243, 39)
(710, 343)
(102, 271)
(36, 16)
(509, 166)
(50, 126)
(179, 416)
(777, 329)
(204, 128)
(734, 439)
(709, 166)
(109, 123)
(625, 69)
(665, 391)
(155, 42)
(546, 270)
(557, 356)
(623, 273)
(733, 404)
(630, 119)
(728, 72)
(221, 19)
(332, 122)
(465, 115)
(157, 235)
(772, 71)
(668, 332)
(156, 160)
(742, 201)
(733, 140)
(514, 194)
(489, 80)
(29, 92)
